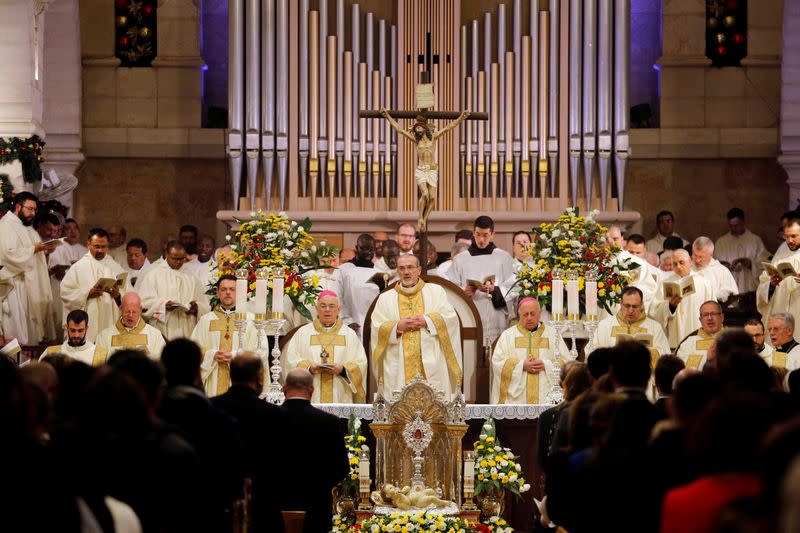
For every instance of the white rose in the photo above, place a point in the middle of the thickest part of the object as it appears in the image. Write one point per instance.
(503, 463)
(487, 427)
(512, 478)
(323, 243)
(525, 488)
(518, 467)
(498, 449)
(313, 249)
(227, 237)
(357, 423)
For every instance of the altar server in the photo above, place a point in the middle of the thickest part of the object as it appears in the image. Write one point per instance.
(76, 346)
(358, 292)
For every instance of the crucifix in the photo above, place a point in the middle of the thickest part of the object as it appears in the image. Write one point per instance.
(424, 136)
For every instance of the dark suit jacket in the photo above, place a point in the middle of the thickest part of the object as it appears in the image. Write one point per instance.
(317, 460)
(262, 426)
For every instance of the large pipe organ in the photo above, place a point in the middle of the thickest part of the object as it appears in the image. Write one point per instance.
(552, 74)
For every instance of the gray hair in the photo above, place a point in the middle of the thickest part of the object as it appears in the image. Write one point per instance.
(703, 243)
(715, 302)
(786, 318)
(680, 252)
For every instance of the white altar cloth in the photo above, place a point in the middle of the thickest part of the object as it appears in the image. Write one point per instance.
(474, 411)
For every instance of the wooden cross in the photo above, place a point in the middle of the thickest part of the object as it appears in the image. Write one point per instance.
(423, 113)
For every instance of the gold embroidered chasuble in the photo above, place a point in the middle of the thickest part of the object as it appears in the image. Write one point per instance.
(433, 353)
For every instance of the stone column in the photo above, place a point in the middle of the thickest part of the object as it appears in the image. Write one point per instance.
(790, 100)
(179, 65)
(62, 89)
(682, 63)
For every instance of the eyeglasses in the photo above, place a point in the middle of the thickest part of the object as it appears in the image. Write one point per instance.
(709, 315)
(29, 208)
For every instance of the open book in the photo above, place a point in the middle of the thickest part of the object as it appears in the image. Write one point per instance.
(54, 242)
(641, 338)
(478, 283)
(11, 349)
(107, 284)
(683, 288)
(782, 270)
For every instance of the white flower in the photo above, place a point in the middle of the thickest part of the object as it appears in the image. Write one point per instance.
(494, 470)
(525, 488)
(227, 237)
(498, 449)
(289, 243)
(259, 231)
(313, 249)
(518, 467)
(282, 214)
(323, 243)
(545, 253)
(357, 423)
(503, 463)
(487, 427)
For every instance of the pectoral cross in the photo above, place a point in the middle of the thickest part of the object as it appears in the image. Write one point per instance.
(424, 136)
(326, 341)
(532, 344)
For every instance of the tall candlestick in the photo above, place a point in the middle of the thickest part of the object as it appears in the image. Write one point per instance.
(573, 306)
(241, 291)
(558, 298)
(261, 292)
(277, 292)
(591, 299)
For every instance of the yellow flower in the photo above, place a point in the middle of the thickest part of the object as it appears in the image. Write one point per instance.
(484, 464)
(480, 477)
(361, 438)
(601, 292)
(354, 460)
(489, 439)
(494, 476)
(354, 476)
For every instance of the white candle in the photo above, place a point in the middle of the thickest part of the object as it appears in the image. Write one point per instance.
(241, 295)
(469, 475)
(558, 297)
(573, 307)
(277, 293)
(591, 298)
(261, 295)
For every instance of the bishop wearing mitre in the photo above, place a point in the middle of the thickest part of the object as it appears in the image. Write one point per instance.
(218, 337)
(631, 320)
(524, 362)
(333, 354)
(172, 299)
(415, 331)
(131, 332)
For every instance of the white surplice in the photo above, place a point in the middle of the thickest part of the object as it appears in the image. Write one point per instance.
(75, 286)
(87, 353)
(27, 312)
(656, 244)
(686, 317)
(498, 263)
(135, 275)
(785, 298)
(720, 279)
(357, 294)
(748, 245)
(162, 284)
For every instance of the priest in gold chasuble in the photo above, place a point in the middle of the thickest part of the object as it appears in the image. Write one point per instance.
(218, 338)
(694, 348)
(131, 332)
(524, 362)
(332, 352)
(631, 323)
(415, 330)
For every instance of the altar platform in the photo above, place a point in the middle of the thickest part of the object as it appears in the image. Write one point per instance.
(516, 428)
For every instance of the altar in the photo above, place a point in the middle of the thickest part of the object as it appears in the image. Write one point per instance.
(516, 427)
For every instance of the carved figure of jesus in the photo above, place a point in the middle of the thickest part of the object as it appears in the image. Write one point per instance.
(424, 135)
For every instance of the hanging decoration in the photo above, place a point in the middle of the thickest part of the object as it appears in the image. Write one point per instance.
(135, 22)
(29, 152)
(726, 32)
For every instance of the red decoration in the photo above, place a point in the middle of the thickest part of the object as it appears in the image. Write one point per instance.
(147, 10)
(731, 5)
(722, 50)
(123, 41)
(122, 4)
(738, 38)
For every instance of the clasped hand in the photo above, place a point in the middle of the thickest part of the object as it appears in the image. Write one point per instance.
(533, 365)
(411, 323)
(335, 369)
(223, 357)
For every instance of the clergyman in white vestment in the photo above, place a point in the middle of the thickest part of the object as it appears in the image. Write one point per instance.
(27, 312)
(631, 320)
(218, 337)
(693, 350)
(524, 362)
(681, 314)
(742, 251)
(786, 353)
(172, 299)
(717, 275)
(131, 332)
(137, 263)
(472, 270)
(415, 331)
(76, 346)
(78, 289)
(358, 292)
(776, 295)
(665, 222)
(755, 328)
(333, 354)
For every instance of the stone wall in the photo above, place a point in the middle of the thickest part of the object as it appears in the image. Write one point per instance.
(152, 198)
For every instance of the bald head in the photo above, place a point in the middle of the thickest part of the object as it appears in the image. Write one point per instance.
(299, 384)
(130, 309)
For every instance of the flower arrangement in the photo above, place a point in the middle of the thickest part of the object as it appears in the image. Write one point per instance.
(496, 468)
(352, 441)
(576, 243)
(272, 241)
(28, 152)
(419, 522)
(6, 195)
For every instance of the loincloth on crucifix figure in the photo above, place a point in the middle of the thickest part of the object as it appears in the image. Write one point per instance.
(424, 136)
